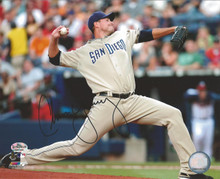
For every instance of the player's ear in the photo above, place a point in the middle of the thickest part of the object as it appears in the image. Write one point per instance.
(96, 24)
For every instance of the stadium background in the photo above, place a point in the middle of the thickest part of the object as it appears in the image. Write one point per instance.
(68, 92)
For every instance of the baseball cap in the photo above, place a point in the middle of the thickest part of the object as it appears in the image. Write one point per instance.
(96, 16)
(201, 86)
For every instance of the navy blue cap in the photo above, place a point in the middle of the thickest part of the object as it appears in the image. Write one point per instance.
(96, 16)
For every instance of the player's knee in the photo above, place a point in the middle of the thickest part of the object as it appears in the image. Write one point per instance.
(79, 149)
(175, 117)
(78, 153)
(173, 112)
(177, 113)
(178, 117)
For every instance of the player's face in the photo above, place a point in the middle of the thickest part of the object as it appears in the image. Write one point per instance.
(202, 94)
(106, 25)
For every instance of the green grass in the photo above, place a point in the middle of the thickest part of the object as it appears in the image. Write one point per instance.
(151, 173)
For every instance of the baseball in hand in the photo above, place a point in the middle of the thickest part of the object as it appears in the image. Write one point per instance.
(63, 31)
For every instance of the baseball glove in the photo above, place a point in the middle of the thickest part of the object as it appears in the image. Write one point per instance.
(179, 37)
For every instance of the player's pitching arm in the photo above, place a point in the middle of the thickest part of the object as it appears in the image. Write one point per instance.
(53, 50)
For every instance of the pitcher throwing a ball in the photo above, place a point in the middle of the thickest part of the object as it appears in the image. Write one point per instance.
(106, 64)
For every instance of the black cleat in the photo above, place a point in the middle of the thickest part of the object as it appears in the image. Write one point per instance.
(10, 160)
(5, 161)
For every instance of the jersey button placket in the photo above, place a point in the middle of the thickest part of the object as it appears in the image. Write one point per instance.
(119, 72)
(114, 63)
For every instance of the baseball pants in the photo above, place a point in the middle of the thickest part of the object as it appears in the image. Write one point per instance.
(107, 113)
(203, 134)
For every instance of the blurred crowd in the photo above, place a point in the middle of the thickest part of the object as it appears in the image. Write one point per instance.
(26, 26)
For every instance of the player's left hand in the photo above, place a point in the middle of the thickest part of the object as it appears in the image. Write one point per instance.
(179, 37)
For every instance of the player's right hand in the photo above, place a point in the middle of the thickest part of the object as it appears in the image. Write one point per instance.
(56, 32)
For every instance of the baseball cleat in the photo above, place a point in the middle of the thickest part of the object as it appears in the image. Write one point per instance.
(12, 160)
(196, 176)
(5, 161)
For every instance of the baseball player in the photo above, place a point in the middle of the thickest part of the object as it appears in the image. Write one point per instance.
(106, 64)
(202, 120)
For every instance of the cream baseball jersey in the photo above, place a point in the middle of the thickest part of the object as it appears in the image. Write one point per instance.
(105, 63)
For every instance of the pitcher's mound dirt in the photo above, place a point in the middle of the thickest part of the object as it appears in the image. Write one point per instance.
(23, 174)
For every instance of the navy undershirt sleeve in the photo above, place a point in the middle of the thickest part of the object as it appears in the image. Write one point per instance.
(55, 60)
(145, 35)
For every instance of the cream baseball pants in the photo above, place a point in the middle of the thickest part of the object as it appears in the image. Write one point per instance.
(109, 112)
